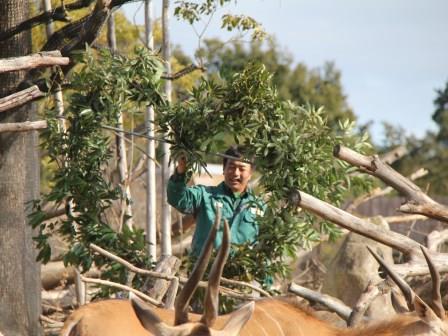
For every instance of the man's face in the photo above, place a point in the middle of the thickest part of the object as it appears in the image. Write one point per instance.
(237, 175)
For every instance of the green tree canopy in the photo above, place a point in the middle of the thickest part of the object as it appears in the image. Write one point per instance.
(303, 86)
(430, 152)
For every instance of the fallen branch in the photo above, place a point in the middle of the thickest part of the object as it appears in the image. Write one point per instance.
(410, 248)
(418, 202)
(23, 126)
(123, 287)
(40, 59)
(378, 192)
(332, 303)
(404, 218)
(169, 277)
(56, 324)
(20, 98)
(364, 301)
(435, 239)
(394, 155)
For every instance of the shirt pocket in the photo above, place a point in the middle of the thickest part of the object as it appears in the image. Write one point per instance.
(248, 227)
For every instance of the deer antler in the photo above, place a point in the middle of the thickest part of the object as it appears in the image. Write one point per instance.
(436, 303)
(182, 301)
(405, 288)
(211, 300)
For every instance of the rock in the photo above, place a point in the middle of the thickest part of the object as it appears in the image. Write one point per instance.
(353, 267)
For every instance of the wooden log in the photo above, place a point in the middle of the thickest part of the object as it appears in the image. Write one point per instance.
(171, 294)
(122, 287)
(332, 303)
(363, 303)
(418, 202)
(20, 98)
(23, 126)
(416, 265)
(378, 192)
(56, 273)
(357, 225)
(40, 59)
(166, 265)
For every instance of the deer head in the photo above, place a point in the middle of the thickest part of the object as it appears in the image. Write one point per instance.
(135, 318)
(182, 326)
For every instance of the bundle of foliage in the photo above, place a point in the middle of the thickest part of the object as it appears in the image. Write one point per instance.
(104, 87)
(293, 148)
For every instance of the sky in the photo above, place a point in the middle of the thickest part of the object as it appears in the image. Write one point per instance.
(392, 54)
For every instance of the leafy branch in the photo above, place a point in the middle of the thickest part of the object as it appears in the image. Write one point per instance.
(105, 86)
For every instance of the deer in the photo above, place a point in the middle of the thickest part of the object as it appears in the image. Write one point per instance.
(268, 316)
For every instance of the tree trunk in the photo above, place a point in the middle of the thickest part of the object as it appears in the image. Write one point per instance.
(166, 210)
(151, 192)
(19, 183)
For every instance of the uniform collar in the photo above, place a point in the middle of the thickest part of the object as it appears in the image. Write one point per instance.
(229, 191)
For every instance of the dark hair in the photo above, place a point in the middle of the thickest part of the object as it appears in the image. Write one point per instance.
(240, 152)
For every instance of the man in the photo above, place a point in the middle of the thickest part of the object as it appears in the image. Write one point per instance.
(239, 206)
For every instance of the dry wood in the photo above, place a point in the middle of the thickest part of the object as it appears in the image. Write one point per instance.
(166, 265)
(123, 287)
(410, 248)
(378, 192)
(418, 202)
(56, 324)
(40, 59)
(332, 303)
(171, 294)
(20, 98)
(182, 280)
(404, 218)
(355, 224)
(394, 155)
(55, 273)
(23, 126)
(435, 239)
(370, 293)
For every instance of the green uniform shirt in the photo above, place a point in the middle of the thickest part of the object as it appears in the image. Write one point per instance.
(239, 210)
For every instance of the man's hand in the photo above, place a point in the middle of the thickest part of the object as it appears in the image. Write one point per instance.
(181, 165)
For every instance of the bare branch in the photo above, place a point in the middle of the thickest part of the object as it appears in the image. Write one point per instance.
(404, 244)
(394, 155)
(363, 227)
(364, 301)
(185, 71)
(332, 303)
(123, 287)
(378, 192)
(40, 59)
(182, 280)
(404, 218)
(23, 126)
(20, 98)
(418, 201)
(435, 239)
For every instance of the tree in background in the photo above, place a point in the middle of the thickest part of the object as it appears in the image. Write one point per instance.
(303, 86)
(430, 152)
